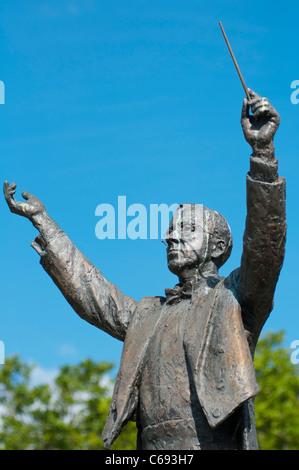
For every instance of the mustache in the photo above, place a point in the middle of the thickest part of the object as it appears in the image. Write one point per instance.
(177, 245)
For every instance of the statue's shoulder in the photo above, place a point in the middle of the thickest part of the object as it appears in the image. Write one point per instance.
(231, 282)
(229, 287)
(147, 310)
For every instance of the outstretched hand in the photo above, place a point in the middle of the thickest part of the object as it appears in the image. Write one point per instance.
(259, 129)
(28, 209)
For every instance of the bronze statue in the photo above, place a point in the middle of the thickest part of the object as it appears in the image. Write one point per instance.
(186, 374)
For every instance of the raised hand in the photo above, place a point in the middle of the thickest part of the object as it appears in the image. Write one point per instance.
(28, 209)
(259, 129)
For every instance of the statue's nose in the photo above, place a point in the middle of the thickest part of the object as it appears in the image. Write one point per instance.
(172, 239)
(175, 235)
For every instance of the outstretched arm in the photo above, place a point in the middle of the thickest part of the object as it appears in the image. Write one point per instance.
(265, 232)
(95, 299)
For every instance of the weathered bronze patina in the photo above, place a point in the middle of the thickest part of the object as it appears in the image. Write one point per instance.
(186, 374)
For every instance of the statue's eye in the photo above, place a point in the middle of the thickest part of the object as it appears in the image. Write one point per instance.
(187, 228)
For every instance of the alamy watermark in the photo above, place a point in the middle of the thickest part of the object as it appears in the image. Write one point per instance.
(2, 353)
(137, 221)
(133, 222)
(2, 93)
(295, 354)
(295, 93)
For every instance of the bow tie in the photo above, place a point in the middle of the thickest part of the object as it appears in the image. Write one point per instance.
(178, 293)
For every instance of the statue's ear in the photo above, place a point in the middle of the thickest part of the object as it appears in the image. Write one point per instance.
(218, 248)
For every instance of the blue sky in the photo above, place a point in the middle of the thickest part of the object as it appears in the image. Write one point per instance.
(137, 99)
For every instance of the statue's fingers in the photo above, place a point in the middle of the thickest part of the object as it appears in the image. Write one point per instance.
(261, 102)
(253, 94)
(5, 188)
(11, 202)
(15, 207)
(274, 117)
(262, 110)
(9, 189)
(245, 110)
(26, 195)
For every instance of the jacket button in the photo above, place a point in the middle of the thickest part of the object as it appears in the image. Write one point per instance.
(220, 385)
(216, 413)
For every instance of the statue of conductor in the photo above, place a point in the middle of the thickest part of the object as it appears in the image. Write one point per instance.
(186, 374)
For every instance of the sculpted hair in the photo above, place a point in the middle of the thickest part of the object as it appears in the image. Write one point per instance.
(219, 230)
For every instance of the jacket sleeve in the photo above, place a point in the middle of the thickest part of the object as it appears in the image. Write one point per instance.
(93, 298)
(263, 243)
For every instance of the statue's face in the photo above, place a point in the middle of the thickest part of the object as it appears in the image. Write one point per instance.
(186, 239)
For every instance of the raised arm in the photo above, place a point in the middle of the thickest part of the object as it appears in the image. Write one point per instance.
(94, 299)
(265, 232)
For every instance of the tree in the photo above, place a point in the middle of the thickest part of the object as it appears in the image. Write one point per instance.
(70, 413)
(277, 404)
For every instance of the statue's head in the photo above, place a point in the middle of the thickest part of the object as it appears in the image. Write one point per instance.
(197, 235)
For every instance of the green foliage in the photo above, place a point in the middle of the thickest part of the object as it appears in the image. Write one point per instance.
(70, 414)
(277, 404)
